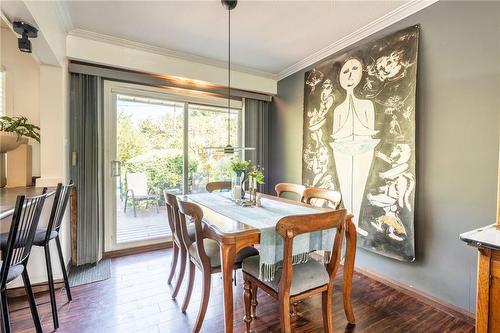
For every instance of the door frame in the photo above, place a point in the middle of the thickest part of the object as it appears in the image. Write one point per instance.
(110, 90)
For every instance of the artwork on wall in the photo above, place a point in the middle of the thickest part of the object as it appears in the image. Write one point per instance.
(359, 138)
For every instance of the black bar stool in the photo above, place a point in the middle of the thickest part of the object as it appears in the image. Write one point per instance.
(44, 236)
(16, 254)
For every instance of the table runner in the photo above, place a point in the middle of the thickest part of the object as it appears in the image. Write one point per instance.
(265, 218)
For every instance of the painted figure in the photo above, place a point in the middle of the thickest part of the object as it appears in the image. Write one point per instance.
(395, 194)
(353, 139)
(317, 117)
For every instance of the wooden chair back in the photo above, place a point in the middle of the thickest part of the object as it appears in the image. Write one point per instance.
(22, 232)
(218, 186)
(290, 188)
(173, 216)
(291, 226)
(192, 212)
(334, 198)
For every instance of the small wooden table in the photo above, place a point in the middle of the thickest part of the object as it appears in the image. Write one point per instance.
(487, 241)
(233, 236)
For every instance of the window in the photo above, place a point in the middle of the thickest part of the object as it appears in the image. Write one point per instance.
(2, 92)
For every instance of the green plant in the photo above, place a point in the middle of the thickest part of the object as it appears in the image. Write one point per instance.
(257, 172)
(20, 126)
(238, 165)
(163, 169)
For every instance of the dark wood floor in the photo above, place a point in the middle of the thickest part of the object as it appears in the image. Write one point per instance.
(137, 299)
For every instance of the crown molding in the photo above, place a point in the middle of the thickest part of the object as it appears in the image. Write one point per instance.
(388, 19)
(165, 52)
(63, 13)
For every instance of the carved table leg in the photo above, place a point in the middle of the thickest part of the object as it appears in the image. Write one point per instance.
(228, 253)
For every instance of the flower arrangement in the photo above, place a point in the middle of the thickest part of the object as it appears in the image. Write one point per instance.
(257, 173)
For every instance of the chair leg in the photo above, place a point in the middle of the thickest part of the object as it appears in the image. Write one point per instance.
(182, 269)
(327, 305)
(248, 297)
(285, 321)
(173, 263)
(63, 269)
(189, 289)
(134, 203)
(207, 281)
(31, 299)
(254, 301)
(125, 204)
(52, 291)
(157, 206)
(5, 313)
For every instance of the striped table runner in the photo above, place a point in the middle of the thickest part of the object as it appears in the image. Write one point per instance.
(265, 218)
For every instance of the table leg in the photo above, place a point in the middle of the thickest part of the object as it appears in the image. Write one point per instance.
(228, 253)
(351, 237)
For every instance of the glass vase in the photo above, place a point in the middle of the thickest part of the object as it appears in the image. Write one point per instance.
(237, 186)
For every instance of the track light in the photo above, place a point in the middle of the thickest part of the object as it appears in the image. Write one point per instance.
(26, 31)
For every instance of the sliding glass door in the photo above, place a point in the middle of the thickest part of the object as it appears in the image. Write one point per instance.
(208, 128)
(156, 140)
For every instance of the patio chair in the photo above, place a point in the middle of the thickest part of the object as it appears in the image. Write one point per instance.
(137, 190)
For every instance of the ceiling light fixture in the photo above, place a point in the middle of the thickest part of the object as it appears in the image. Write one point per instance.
(229, 149)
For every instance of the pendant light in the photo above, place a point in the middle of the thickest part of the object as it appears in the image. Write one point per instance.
(229, 149)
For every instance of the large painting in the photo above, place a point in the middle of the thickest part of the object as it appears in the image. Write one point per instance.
(359, 138)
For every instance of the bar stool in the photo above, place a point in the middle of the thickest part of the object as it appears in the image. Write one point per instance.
(45, 235)
(42, 238)
(16, 254)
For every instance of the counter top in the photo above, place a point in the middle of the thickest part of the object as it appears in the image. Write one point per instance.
(8, 197)
(488, 237)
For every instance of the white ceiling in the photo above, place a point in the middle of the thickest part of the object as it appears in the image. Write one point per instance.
(267, 36)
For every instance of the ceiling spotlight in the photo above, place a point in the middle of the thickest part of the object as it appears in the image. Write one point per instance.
(26, 31)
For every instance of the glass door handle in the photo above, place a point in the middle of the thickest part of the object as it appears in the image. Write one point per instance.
(116, 168)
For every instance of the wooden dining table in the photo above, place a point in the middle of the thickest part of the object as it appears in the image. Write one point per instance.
(233, 236)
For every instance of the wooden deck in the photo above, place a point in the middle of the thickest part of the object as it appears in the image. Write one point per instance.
(137, 299)
(147, 225)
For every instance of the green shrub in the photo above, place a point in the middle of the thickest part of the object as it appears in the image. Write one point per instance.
(162, 167)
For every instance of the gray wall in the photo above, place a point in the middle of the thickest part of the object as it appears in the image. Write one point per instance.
(458, 103)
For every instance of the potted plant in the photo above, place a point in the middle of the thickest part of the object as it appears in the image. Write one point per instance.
(15, 131)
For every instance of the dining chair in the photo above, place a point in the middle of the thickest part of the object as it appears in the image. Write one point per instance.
(19, 242)
(313, 194)
(179, 249)
(282, 188)
(218, 186)
(293, 283)
(204, 254)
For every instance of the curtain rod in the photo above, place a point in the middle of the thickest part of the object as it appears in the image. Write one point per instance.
(161, 80)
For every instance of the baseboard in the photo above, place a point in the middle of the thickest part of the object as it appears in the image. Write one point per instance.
(421, 296)
(137, 250)
(37, 288)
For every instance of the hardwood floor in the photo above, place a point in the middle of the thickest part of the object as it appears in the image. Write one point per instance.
(137, 299)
